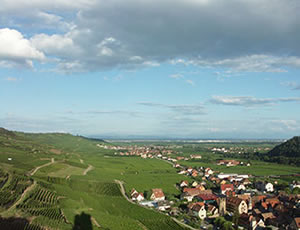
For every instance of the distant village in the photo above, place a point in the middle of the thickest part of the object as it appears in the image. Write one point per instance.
(249, 202)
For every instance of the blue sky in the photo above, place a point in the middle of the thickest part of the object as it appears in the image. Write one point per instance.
(189, 69)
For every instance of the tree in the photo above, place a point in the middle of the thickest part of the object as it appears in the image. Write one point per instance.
(227, 226)
(235, 219)
(296, 190)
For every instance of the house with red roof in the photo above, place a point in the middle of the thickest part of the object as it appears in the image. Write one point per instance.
(157, 194)
(138, 197)
(207, 198)
(189, 193)
(225, 188)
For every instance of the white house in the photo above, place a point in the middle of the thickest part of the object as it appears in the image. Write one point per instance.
(265, 187)
(269, 187)
(241, 187)
(208, 171)
(163, 205)
(195, 183)
(182, 172)
(157, 194)
(184, 184)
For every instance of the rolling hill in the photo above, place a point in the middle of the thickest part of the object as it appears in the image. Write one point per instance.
(287, 152)
(55, 181)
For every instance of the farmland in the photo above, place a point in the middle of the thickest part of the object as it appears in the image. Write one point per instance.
(56, 180)
(60, 191)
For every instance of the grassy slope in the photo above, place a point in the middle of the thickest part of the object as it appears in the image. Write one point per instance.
(85, 193)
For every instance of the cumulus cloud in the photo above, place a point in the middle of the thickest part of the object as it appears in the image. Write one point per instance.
(19, 5)
(17, 50)
(58, 45)
(250, 35)
(249, 101)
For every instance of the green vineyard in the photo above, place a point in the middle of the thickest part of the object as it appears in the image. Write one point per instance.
(42, 202)
(12, 189)
(108, 189)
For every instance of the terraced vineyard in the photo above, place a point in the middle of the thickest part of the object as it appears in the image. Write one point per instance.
(59, 194)
(12, 189)
(43, 203)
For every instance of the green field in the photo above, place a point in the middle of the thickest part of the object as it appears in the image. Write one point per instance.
(54, 180)
(61, 192)
(257, 168)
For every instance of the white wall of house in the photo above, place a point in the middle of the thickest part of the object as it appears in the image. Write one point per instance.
(269, 187)
(243, 207)
(202, 213)
(157, 198)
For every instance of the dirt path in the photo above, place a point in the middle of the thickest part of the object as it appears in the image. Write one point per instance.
(87, 170)
(123, 190)
(95, 222)
(42, 166)
(27, 190)
(144, 227)
(183, 224)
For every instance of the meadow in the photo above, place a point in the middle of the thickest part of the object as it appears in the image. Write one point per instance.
(60, 190)
(55, 178)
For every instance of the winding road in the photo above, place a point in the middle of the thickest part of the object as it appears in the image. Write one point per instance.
(27, 190)
(88, 169)
(173, 218)
(42, 166)
(123, 191)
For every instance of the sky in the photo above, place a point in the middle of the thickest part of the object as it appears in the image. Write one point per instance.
(170, 68)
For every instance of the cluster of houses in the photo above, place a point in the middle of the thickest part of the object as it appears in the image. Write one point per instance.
(256, 204)
(146, 152)
(157, 199)
(237, 150)
(214, 194)
(229, 163)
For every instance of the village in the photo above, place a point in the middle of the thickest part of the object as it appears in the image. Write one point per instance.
(214, 199)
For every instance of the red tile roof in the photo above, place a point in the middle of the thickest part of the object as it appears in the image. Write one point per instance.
(206, 197)
(196, 191)
(196, 206)
(225, 187)
(158, 193)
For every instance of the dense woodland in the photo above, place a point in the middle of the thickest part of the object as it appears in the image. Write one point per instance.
(286, 153)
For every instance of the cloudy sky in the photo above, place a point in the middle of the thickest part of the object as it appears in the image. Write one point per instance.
(171, 68)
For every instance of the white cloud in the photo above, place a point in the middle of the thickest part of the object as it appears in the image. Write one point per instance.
(249, 35)
(249, 101)
(61, 45)
(252, 63)
(17, 50)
